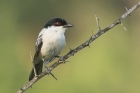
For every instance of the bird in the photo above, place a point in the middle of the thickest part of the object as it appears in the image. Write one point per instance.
(50, 42)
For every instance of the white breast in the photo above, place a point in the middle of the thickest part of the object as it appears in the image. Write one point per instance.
(53, 42)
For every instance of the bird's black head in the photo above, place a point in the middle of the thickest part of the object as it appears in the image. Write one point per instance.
(57, 22)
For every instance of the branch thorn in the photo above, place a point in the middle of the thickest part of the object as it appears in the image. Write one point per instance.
(92, 33)
(97, 20)
(127, 10)
(70, 49)
(123, 27)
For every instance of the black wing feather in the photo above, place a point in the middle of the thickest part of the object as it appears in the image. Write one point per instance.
(38, 46)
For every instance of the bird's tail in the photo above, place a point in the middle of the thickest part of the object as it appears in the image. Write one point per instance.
(38, 68)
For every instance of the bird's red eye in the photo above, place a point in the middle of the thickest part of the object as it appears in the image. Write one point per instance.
(58, 23)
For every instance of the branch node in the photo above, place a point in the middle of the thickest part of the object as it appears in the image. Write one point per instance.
(60, 61)
(71, 50)
(88, 45)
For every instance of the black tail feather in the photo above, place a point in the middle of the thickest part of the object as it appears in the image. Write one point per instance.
(38, 68)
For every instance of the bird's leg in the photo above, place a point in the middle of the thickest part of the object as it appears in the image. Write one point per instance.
(61, 59)
(48, 70)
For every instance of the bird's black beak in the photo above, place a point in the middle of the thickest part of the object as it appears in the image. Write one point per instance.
(68, 25)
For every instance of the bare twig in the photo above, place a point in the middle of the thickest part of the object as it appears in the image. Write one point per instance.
(123, 26)
(127, 10)
(33, 64)
(98, 24)
(85, 44)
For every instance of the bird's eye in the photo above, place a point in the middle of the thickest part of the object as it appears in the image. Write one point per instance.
(58, 23)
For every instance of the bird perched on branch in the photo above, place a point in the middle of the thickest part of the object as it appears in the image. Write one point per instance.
(49, 44)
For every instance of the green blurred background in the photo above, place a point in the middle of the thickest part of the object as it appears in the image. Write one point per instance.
(110, 65)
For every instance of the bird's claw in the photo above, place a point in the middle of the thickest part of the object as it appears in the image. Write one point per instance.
(36, 76)
(48, 70)
(61, 59)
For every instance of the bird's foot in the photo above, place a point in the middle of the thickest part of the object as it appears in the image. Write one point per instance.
(62, 59)
(36, 76)
(49, 72)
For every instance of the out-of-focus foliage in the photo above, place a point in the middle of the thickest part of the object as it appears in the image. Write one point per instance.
(110, 65)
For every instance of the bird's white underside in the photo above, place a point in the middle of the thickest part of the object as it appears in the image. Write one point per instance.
(53, 42)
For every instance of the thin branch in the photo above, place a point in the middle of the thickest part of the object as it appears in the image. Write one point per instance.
(85, 44)
(127, 10)
(33, 64)
(98, 24)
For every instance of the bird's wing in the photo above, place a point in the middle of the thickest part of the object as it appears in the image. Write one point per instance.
(38, 46)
